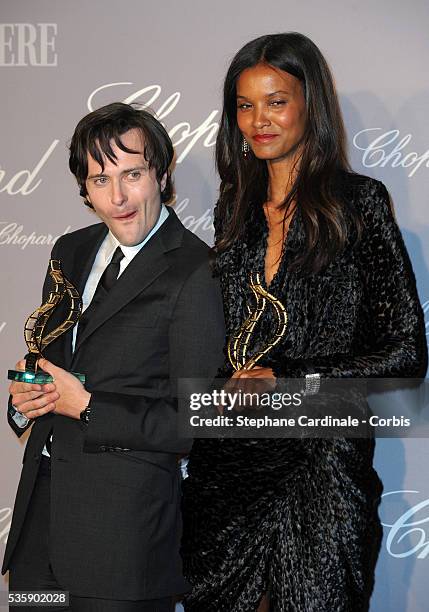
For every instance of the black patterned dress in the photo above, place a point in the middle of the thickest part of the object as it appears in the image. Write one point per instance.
(298, 518)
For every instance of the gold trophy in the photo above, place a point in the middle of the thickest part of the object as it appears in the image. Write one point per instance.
(34, 329)
(239, 341)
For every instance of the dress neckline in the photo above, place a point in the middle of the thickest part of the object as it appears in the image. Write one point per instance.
(258, 232)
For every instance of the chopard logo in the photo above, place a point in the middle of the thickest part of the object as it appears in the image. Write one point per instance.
(203, 222)
(12, 233)
(5, 514)
(23, 182)
(182, 134)
(406, 529)
(387, 148)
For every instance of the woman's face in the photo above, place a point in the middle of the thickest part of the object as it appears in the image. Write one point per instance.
(271, 112)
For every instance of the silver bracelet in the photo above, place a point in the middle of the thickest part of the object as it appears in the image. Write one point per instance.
(312, 384)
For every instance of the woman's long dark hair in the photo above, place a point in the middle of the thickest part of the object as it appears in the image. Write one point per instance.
(244, 181)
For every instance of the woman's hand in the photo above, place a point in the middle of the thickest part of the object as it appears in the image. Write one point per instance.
(255, 372)
(257, 380)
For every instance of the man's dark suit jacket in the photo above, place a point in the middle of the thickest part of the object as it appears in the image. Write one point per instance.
(115, 519)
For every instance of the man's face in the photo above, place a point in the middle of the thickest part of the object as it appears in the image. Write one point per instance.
(125, 195)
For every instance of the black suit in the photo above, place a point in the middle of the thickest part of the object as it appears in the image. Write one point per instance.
(115, 519)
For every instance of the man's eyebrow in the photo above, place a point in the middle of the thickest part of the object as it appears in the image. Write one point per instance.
(91, 176)
(126, 171)
(139, 167)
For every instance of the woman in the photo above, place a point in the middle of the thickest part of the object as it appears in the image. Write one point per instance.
(292, 524)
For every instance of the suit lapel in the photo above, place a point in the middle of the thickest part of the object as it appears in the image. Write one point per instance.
(84, 259)
(146, 266)
(82, 264)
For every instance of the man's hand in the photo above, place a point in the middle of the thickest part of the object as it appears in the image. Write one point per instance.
(72, 395)
(32, 400)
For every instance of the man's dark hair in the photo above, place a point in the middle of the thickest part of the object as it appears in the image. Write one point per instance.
(96, 131)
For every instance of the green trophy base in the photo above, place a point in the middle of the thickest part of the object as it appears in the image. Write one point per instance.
(37, 378)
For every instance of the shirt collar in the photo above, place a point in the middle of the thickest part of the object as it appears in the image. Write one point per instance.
(131, 251)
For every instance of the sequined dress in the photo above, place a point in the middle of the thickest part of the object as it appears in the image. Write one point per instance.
(299, 518)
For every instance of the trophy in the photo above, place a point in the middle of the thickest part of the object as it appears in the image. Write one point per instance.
(34, 330)
(239, 341)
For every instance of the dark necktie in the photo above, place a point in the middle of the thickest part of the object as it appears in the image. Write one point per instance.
(105, 283)
(110, 274)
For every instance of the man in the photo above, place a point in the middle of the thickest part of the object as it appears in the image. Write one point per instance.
(100, 517)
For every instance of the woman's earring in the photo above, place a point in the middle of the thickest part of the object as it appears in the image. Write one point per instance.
(245, 147)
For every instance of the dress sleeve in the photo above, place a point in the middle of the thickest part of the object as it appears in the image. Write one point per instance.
(398, 330)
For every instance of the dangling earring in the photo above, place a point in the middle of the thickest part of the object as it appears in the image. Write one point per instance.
(245, 147)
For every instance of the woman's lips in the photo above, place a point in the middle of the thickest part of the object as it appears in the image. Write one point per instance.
(261, 138)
